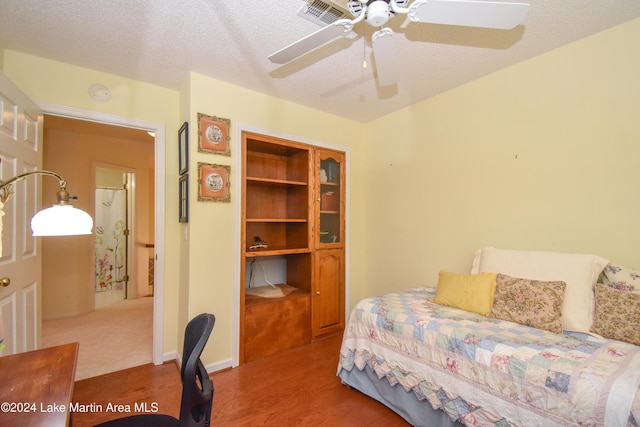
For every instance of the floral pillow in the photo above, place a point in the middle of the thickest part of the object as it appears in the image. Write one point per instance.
(621, 278)
(579, 272)
(529, 302)
(617, 314)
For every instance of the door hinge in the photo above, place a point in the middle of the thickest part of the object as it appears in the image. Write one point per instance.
(126, 232)
(125, 278)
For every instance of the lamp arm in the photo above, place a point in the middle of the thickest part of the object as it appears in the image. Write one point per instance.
(5, 186)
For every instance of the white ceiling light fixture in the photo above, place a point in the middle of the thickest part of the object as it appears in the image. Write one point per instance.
(378, 13)
(99, 92)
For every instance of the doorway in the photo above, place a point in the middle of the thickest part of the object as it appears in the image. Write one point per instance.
(95, 151)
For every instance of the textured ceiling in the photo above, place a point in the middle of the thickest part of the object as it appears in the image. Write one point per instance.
(160, 41)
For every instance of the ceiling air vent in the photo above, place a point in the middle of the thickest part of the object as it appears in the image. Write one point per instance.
(321, 13)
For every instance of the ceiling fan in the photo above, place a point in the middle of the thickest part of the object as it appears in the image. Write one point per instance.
(470, 13)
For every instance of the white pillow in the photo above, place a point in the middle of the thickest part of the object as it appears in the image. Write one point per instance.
(579, 272)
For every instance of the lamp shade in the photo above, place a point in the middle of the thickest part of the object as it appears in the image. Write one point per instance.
(61, 220)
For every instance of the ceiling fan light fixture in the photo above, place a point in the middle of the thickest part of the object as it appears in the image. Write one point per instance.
(378, 13)
(469, 13)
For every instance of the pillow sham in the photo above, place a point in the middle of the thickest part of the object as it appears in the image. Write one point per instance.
(529, 302)
(579, 272)
(470, 292)
(617, 314)
(621, 278)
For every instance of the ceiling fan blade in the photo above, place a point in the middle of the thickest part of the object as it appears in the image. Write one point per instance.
(486, 14)
(338, 28)
(384, 52)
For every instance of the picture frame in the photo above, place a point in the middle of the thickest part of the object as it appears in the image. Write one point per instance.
(214, 135)
(183, 149)
(213, 182)
(183, 198)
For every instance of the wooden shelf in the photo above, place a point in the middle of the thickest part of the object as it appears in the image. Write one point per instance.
(271, 145)
(272, 181)
(276, 161)
(277, 220)
(289, 292)
(270, 251)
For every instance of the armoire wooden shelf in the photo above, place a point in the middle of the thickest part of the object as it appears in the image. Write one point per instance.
(276, 252)
(281, 220)
(270, 181)
(284, 183)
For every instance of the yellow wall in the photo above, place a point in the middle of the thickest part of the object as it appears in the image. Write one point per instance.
(429, 184)
(52, 82)
(540, 156)
(211, 227)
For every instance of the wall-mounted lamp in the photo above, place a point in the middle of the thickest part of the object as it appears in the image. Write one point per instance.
(61, 219)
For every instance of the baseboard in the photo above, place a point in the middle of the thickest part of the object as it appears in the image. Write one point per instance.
(219, 366)
(171, 355)
(213, 367)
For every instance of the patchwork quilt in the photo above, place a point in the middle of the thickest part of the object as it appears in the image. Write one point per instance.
(491, 372)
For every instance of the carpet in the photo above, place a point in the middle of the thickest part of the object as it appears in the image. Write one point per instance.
(112, 338)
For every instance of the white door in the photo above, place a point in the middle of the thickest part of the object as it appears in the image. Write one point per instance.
(20, 152)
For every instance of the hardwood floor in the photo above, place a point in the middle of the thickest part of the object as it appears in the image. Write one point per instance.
(298, 387)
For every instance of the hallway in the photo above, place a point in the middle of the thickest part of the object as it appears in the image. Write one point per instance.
(103, 334)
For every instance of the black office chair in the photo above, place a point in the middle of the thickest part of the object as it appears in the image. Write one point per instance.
(197, 388)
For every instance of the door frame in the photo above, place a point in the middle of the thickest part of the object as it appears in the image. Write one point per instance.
(159, 194)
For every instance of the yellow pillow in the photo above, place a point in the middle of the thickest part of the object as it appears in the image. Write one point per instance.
(470, 292)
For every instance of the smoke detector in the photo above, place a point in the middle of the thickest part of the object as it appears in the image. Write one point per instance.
(99, 92)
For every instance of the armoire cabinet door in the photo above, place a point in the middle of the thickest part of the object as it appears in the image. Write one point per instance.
(330, 199)
(328, 292)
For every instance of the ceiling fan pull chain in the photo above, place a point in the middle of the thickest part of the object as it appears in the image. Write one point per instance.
(364, 47)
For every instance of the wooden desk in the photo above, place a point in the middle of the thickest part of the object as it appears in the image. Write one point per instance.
(37, 386)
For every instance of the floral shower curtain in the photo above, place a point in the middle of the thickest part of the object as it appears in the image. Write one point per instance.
(110, 242)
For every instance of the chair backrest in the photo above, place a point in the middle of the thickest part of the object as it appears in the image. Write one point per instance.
(197, 388)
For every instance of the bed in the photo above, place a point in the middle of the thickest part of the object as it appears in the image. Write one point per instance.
(567, 354)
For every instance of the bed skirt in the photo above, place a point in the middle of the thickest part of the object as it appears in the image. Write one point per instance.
(415, 412)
